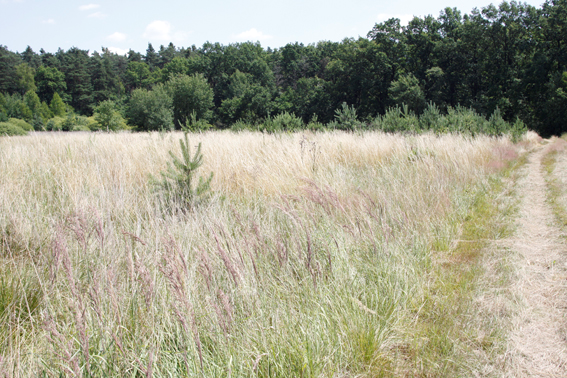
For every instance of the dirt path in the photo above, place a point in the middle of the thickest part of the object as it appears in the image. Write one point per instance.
(538, 342)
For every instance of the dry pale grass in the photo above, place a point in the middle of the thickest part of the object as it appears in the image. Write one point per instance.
(537, 342)
(312, 252)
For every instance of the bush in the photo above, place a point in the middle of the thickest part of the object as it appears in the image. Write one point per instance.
(283, 122)
(517, 130)
(397, 119)
(9, 129)
(314, 124)
(71, 122)
(55, 124)
(432, 119)
(464, 120)
(193, 124)
(496, 124)
(21, 124)
(108, 117)
(346, 118)
(241, 125)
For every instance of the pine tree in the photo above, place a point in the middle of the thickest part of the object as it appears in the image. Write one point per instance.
(152, 57)
(178, 182)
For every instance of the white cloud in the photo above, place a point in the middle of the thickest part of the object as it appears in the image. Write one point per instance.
(49, 21)
(118, 50)
(89, 7)
(404, 18)
(162, 31)
(158, 30)
(116, 37)
(251, 35)
(97, 15)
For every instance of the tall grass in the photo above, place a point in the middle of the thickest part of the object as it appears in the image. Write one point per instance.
(313, 257)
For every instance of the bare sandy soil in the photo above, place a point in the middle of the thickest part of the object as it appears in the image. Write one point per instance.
(538, 341)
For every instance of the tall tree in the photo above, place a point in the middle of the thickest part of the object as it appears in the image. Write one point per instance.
(151, 110)
(31, 58)
(49, 81)
(8, 63)
(166, 54)
(75, 66)
(151, 58)
(26, 81)
(190, 94)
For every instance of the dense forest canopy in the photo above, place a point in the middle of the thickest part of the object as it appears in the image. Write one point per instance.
(510, 58)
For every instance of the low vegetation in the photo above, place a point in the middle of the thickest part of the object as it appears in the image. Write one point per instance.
(314, 254)
(555, 178)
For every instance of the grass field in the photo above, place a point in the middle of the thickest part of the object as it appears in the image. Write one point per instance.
(316, 255)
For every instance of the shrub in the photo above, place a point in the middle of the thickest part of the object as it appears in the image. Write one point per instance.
(72, 122)
(9, 129)
(315, 125)
(346, 118)
(432, 119)
(55, 124)
(108, 117)
(192, 124)
(517, 130)
(397, 119)
(283, 122)
(241, 125)
(21, 124)
(496, 124)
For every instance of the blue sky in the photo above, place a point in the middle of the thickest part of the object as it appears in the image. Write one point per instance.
(123, 24)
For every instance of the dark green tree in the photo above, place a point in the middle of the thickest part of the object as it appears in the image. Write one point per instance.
(151, 58)
(138, 75)
(151, 110)
(49, 81)
(190, 94)
(31, 58)
(8, 76)
(407, 91)
(166, 54)
(75, 67)
(245, 100)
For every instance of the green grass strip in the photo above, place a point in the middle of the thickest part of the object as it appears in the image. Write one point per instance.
(448, 334)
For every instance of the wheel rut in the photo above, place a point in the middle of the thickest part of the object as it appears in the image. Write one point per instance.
(538, 339)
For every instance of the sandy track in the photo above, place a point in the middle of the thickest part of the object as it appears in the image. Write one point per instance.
(538, 341)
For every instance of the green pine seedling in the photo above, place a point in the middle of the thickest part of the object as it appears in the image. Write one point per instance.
(178, 181)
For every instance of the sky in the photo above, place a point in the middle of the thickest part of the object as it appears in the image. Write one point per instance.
(121, 25)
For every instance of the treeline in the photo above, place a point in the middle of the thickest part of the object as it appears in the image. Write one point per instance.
(507, 62)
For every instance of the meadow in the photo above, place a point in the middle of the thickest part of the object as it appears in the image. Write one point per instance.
(313, 255)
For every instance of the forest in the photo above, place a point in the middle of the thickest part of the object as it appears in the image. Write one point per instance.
(507, 63)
